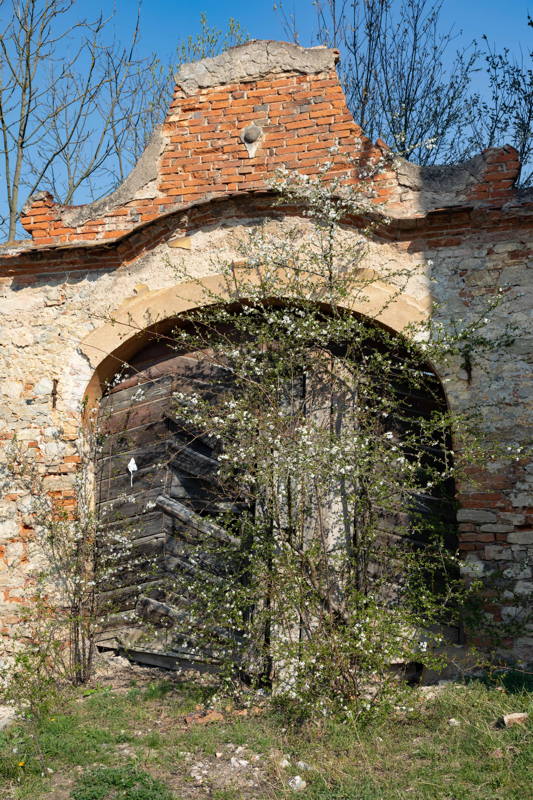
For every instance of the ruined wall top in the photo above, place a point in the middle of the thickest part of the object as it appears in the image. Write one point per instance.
(234, 120)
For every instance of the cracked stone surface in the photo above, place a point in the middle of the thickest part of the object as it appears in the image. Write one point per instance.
(254, 60)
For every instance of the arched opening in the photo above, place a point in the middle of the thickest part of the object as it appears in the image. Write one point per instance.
(147, 453)
(135, 322)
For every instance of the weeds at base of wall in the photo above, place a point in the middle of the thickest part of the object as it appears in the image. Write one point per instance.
(52, 646)
(495, 617)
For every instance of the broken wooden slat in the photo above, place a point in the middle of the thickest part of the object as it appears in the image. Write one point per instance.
(192, 569)
(183, 514)
(174, 661)
(193, 462)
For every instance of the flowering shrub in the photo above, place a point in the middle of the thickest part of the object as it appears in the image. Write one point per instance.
(75, 557)
(336, 464)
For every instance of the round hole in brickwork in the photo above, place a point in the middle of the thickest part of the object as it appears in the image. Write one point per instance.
(251, 134)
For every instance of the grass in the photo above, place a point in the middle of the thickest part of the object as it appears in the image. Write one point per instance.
(136, 746)
(123, 783)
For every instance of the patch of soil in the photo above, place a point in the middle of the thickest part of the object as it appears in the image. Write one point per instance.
(61, 788)
(233, 768)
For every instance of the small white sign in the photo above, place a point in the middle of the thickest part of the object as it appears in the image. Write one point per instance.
(132, 467)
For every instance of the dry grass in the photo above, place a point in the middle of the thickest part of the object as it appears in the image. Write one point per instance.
(148, 730)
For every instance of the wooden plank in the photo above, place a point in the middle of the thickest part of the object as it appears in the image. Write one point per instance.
(125, 441)
(191, 366)
(176, 509)
(150, 524)
(139, 394)
(156, 612)
(159, 452)
(125, 597)
(143, 481)
(130, 505)
(198, 563)
(171, 661)
(136, 574)
(192, 569)
(193, 462)
(185, 432)
(134, 417)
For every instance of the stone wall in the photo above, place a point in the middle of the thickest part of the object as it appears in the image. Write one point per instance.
(75, 297)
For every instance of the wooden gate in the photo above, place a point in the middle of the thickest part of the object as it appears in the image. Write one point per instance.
(157, 484)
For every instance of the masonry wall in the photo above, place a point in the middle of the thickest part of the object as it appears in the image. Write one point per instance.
(464, 233)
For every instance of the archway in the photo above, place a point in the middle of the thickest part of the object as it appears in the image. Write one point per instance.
(133, 324)
(146, 453)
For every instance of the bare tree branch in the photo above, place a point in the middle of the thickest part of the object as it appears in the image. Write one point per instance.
(405, 80)
(77, 106)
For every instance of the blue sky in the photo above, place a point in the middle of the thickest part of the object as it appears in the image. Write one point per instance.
(164, 22)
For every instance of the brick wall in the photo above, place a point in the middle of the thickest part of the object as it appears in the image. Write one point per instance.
(464, 230)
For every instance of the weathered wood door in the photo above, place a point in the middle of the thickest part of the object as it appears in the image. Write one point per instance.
(145, 452)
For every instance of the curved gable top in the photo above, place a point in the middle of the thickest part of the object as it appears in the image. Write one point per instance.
(233, 121)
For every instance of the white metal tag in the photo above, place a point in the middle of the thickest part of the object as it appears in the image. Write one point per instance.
(132, 467)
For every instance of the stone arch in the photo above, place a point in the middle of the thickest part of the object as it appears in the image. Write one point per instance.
(137, 319)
